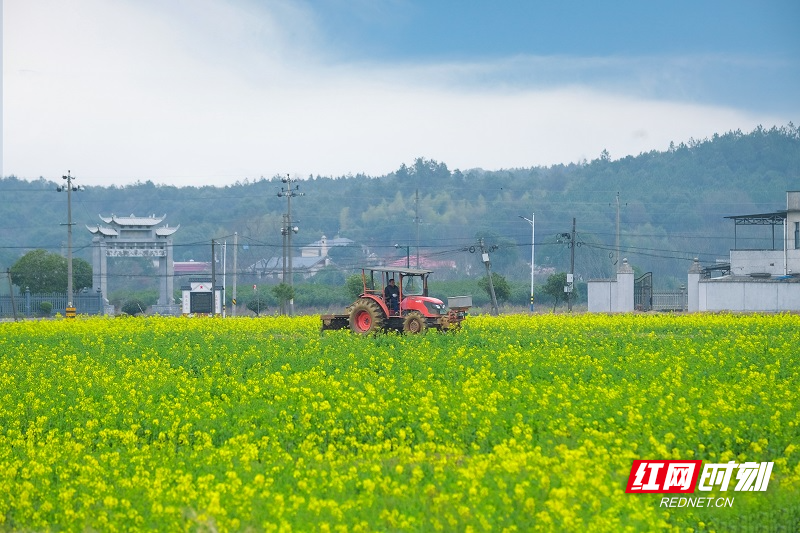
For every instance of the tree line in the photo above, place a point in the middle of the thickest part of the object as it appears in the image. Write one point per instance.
(42, 272)
(672, 209)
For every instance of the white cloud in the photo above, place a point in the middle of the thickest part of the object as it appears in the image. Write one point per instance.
(211, 92)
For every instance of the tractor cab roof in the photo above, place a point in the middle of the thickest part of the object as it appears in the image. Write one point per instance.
(411, 281)
(400, 270)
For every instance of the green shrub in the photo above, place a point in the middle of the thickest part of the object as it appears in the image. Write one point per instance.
(258, 303)
(134, 307)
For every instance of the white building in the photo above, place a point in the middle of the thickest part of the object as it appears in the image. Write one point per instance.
(311, 260)
(197, 299)
(764, 279)
(321, 247)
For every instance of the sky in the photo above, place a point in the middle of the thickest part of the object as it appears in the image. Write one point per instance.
(211, 92)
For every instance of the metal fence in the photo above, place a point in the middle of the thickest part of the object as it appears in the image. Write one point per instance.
(643, 292)
(670, 300)
(30, 305)
(645, 298)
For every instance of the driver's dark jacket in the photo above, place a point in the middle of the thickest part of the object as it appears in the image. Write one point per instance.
(391, 293)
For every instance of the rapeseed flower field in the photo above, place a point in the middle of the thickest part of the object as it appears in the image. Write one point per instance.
(515, 423)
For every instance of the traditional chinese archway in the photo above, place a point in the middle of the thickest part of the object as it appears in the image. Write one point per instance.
(135, 237)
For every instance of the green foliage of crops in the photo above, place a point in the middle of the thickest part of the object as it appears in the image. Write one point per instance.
(515, 423)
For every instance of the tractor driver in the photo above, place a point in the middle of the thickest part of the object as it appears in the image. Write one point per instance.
(391, 294)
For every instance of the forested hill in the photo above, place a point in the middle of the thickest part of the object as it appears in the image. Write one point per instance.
(671, 207)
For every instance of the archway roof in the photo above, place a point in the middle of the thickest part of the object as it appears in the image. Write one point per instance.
(132, 220)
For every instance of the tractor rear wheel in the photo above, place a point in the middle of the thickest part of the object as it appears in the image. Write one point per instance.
(366, 316)
(414, 323)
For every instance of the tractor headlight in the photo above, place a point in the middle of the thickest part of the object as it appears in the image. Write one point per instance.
(436, 309)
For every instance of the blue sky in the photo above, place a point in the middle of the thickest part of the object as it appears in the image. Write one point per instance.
(213, 91)
(747, 51)
(466, 29)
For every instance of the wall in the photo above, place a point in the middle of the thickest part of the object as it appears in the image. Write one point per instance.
(746, 262)
(748, 295)
(601, 295)
(612, 295)
(625, 288)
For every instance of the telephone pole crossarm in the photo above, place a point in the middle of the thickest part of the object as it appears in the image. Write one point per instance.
(288, 228)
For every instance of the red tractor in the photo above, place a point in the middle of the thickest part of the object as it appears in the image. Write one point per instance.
(413, 312)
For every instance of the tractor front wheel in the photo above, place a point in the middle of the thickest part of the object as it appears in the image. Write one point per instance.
(366, 316)
(414, 323)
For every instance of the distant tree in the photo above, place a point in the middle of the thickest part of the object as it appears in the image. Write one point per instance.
(402, 173)
(283, 292)
(354, 286)
(258, 303)
(44, 272)
(502, 290)
(426, 169)
(554, 287)
(81, 274)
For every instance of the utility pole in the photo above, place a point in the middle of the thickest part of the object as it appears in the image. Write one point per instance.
(235, 249)
(213, 279)
(224, 274)
(569, 287)
(617, 258)
(284, 227)
(533, 238)
(70, 310)
(408, 262)
(284, 232)
(416, 220)
(11, 294)
(571, 277)
(485, 257)
(618, 261)
(289, 192)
